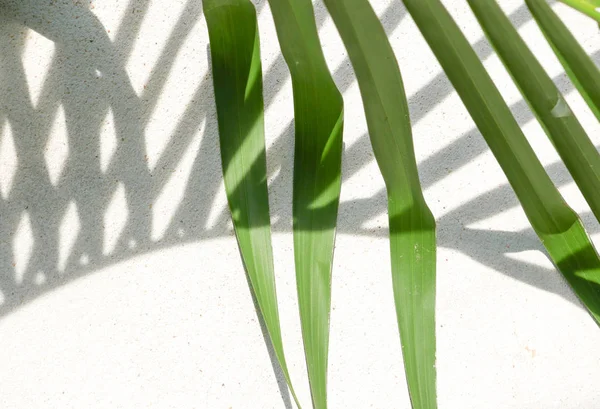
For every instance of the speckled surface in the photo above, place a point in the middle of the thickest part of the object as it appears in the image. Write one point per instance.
(120, 281)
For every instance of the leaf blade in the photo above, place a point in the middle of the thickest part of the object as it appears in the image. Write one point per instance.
(578, 65)
(318, 113)
(557, 225)
(585, 7)
(237, 77)
(411, 223)
(560, 124)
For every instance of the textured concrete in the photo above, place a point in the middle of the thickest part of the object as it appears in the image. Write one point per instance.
(120, 281)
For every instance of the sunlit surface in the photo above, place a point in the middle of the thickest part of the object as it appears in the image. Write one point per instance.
(115, 218)
(57, 147)
(68, 231)
(8, 160)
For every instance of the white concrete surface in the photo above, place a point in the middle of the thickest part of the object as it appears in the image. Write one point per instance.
(121, 284)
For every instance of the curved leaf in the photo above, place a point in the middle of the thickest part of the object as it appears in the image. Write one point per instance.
(237, 75)
(412, 226)
(578, 65)
(557, 225)
(562, 127)
(318, 112)
(586, 7)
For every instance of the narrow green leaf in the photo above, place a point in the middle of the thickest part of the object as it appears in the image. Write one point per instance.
(318, 111)
(412, 226)
(557, 225)
(586, 7)
(578, 65)
(562, 127)
(237, 75)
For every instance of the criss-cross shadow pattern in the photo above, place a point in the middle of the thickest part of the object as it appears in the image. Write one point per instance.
(58, 216)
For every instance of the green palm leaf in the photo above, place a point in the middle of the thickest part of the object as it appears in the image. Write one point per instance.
(412, 226)
(579, 66)
(558, 227)
(318, 112)
(237, 75)
(589, 8)
(562, 127)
